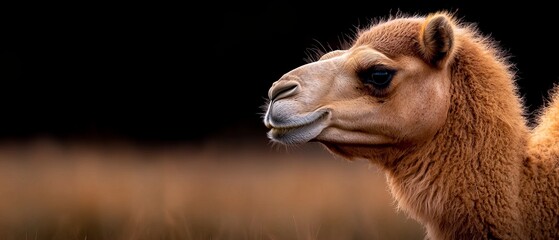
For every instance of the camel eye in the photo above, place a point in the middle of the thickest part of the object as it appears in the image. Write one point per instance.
(379, 77)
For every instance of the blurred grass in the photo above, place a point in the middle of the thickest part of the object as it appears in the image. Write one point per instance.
(50, 190)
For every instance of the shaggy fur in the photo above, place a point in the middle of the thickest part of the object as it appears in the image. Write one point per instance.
(481, 173)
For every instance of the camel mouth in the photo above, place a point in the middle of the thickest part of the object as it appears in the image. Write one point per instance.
(300, 129)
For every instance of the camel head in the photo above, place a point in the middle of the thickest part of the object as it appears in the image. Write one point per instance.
(389, 92)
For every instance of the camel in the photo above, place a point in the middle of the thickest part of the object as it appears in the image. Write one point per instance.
(434, 104)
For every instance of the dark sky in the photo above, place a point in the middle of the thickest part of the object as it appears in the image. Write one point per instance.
(191, 72)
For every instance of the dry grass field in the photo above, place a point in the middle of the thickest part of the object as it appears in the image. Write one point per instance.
(51, 190)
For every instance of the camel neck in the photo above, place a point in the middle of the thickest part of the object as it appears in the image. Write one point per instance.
(473, 165)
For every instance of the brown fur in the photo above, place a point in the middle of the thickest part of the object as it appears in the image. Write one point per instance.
(450, 131)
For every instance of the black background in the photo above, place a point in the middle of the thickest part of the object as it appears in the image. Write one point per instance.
(197, 71)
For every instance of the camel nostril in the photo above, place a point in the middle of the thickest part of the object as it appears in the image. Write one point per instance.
(282, 91)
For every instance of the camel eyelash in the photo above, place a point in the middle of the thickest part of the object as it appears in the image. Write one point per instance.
(377, 79)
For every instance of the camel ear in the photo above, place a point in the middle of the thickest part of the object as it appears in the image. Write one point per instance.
(436, 39)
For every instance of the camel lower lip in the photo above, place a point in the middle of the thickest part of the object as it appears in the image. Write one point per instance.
(299, 133)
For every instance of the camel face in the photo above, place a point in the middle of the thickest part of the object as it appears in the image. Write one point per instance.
(389, 90)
